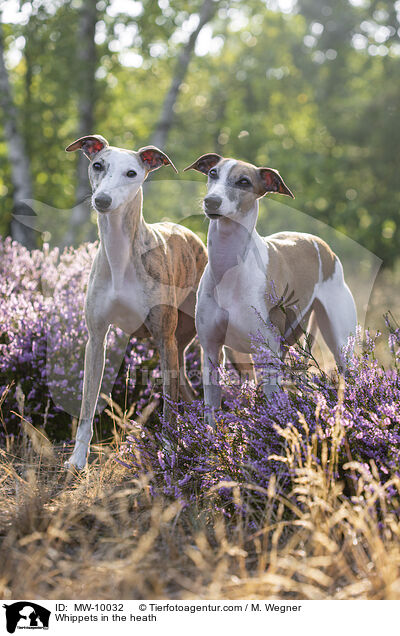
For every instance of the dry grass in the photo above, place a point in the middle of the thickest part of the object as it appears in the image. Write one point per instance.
(102, 535)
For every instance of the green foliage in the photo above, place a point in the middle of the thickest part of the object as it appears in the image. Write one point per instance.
(314, 93)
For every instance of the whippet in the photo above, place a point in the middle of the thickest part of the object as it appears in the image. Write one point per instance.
(273, 284)
(143, 279)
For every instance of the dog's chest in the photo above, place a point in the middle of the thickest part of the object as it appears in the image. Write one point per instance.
(126, 304)
(236, 302)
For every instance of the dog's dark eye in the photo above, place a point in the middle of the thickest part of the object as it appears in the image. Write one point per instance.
(131, 174)
(97, 166)
(243, 182)
(212, 173)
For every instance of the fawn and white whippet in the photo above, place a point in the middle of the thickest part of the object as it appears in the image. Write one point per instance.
(285, 279)
(143, 279)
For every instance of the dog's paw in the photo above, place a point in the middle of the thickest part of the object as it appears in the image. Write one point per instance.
(74, 465)
(210, 431)
(210, 422)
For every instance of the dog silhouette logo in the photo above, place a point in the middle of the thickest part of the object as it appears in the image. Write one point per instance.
(26, 615)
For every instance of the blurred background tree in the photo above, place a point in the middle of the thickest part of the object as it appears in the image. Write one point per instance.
(308, 86)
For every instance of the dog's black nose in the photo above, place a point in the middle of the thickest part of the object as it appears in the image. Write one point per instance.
(102, 201)
(212, 203)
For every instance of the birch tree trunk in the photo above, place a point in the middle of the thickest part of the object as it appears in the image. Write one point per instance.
(17, 155)
(79, 227)
(207, 12)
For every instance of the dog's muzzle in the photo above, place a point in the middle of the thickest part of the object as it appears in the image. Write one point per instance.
(211, 206)
(102, 202)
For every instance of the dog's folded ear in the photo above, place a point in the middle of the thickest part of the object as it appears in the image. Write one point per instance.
(153, 158)
(90, 145)
(271, 181)
(205, 163)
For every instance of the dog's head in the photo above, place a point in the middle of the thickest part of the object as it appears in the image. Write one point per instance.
(116, 174)
(234, 186)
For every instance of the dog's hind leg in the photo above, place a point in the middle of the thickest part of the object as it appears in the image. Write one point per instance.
(336, 315)
(185, 333)
(242, 363)
(311, 331)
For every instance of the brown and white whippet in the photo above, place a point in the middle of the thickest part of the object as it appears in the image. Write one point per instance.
(143, 280)
(284, 279)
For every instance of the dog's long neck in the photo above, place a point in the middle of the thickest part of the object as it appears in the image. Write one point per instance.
(122, 233)
(229, 242)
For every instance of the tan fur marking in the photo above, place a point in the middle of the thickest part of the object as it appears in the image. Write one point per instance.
(243, 169)
(178, 258)
(288, 294)
(243, 195)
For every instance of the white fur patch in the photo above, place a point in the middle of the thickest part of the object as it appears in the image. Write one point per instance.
(115, 182)
(218, 188)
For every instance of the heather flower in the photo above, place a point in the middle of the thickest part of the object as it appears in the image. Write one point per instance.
(43, 336)
(250, 428)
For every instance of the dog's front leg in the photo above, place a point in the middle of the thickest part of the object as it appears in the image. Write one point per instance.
(211, 385)
(93, 373)
(270, 377)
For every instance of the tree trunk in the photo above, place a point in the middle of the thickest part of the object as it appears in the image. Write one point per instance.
(87, 59)
(17, 155)
(207, 12)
